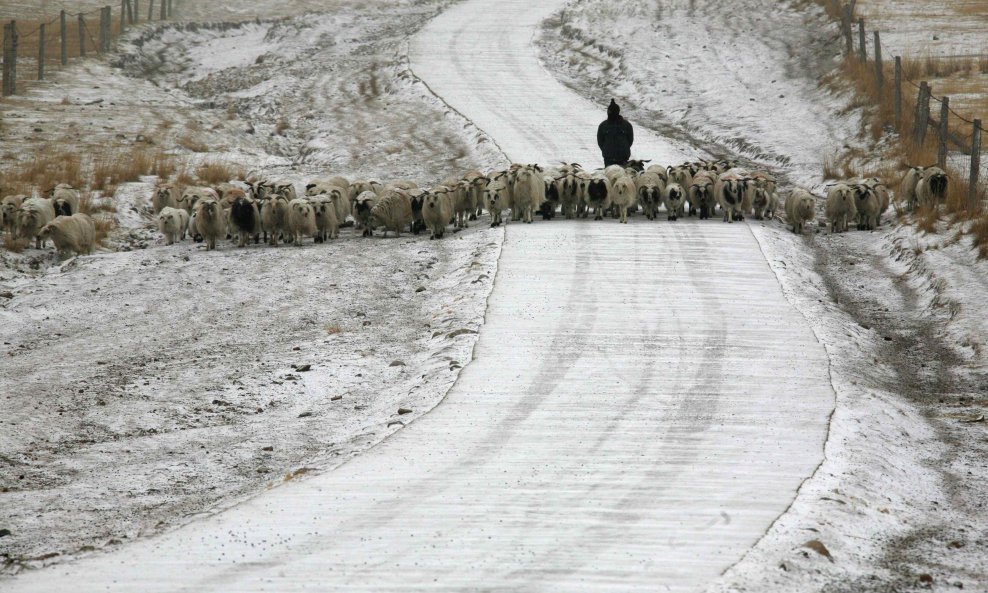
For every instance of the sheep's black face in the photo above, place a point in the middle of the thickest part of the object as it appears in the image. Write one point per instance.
(551, 193)
(675, 194)
(597, 190)
(417, 203)
(938, 185)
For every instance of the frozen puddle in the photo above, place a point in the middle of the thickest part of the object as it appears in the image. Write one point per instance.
(643, 404)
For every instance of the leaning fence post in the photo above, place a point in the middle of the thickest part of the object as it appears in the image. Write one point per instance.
(972, 195)
(104, 30)
(41, 51)
(150, 9)
(163, 13)
(9, 58)
(862, 49)
(82, 35)
(131, 13)
(846, 26)
(879, 72)
(64, 32)
(943, 132)
(898, 94)
(123, 16)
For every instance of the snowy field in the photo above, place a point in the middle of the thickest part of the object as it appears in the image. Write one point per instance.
(141, 401)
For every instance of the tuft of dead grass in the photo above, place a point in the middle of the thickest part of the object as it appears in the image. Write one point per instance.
(102, 211)
(110, 169)
(16, 245)
(927, 220)
(979, 234)
(189, 142)
(281, 127)
(213, 172)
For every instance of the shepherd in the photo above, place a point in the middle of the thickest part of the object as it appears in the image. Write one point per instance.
(615, 137)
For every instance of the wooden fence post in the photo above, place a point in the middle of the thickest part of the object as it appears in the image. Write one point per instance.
(862, 49)
(879, 68)
(41, 51)
(65, 37)
(943, 132)
(898, 94)
(131, 13)
(82, 35)
(150, 9)
(164, 10)
(171, 8)
(922, 113)
(846, 26)
(972, 195)
(123, 16)
(104, 30)
(9, 58)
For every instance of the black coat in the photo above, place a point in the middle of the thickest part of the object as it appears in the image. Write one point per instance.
(615, 137)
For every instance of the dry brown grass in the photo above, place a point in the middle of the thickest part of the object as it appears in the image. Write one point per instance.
(183, 177)
(189, 142)
(102, 212)
(927, 220)
(15, 245)
(281, 127)
(45, 169)
(110, 169)
(979, 235)
(213, 172)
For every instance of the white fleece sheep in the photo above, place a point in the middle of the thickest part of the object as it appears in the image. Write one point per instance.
(210, 221)
(464, 204)
(866, 204)
(882, 193)
(701, 194)
(32, 216)
(931, 190)
(528, 191)
(393, 211)
(731, 192)
(623, 196)
(907, 189)
(301, 220)
(674, 198)
(841, 208)
(568, 190)
(800, 209)
(437, 211)
(496, 200)
(327, 225)
(8, 212)
(173, 223)
(76, 233)
(274, 218)
(165, 195)
(763, 202)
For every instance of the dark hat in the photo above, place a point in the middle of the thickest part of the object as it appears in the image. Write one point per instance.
(613, 108)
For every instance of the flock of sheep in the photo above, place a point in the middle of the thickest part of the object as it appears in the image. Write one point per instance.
(262, 209)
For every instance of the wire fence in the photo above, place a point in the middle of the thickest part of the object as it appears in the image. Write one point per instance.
(913, 119)
(32, 48)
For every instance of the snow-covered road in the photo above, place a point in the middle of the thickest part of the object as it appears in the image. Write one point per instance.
(643, 403)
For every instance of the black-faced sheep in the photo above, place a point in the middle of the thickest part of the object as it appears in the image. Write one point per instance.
(731, 191)
(674, 198)
(931, 190)
(65, 200)
(701, 194)
(245, 220)
(173, 223)
(393, 211)
(75, 233)
(866, 204)
(800, 209)
(841, 208)
(597, 195)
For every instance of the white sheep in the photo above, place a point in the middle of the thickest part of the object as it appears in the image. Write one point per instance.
(274, 218)
(907, 189)
(165, 195)
(651, 189)
(363, 204)
(358, 187)
(882, 193)
(528, 191)
(393, 211)
(75, 233)
(683, 175)
(496, 199)
(245, 220)
(674, 197)
(931, 190)
(301, 220)
(763, 203)
(800, 209)
(840, 207)
(65, 200)
(437, 211)
(327, 225)
(173, 223)
(8, 212)
(210, 221)
(731, 192)
(623, 196)
(33, 215)
(464, 204)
